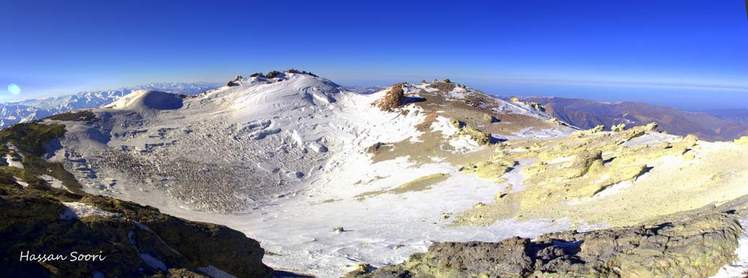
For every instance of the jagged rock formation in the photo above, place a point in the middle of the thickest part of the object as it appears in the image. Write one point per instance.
(393, 99)
(480, 137)
(686, 245)
(616, 178)
(618, 127)
(237, 81)
(39, 217)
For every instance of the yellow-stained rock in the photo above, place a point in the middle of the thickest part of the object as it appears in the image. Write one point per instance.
(596, 178)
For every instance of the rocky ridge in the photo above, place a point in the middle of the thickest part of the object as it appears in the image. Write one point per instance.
(40, 217)
(691, 244)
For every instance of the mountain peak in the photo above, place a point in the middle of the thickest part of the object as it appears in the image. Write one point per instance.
(270, 77)
(141, 100)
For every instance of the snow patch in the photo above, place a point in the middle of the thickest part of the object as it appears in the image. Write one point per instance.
(21, 182)
(740, 266)
(530, 132)
(53, 182)
(613, 189)
(443, 125)
(297, 138)
(77, 210)
(317, 147)
(463, 144)
(13, 161)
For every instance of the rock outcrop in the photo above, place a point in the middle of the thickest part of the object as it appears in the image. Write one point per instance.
(480, 137)
(710, 126)
(614, 178)
(687, 245)
(130, 240)
(493, 169)
(236, 82)
(742, 140)
(392, 99)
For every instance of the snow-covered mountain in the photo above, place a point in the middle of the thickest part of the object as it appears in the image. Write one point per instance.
(327, 178)
(294, 140)
(32, 109)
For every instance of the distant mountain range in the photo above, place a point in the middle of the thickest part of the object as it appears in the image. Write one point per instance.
(709, 125)
(28, 110)
(712, 125)
(736, 115)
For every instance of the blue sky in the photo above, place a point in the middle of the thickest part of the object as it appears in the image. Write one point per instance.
(53, 47)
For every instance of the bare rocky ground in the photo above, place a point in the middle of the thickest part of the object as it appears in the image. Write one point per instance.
(692, 244)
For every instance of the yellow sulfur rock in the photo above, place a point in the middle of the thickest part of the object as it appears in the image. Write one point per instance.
(597, 178)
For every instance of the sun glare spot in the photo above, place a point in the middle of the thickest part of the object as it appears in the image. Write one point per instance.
(14, 89)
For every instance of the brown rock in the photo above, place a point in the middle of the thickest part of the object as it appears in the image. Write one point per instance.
(392, 99)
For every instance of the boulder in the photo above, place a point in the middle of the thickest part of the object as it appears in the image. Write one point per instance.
(392, 99)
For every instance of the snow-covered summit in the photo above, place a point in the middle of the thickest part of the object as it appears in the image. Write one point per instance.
(275, 92)
(474, 97)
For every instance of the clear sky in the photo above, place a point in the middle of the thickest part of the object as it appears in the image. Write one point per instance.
(52, 47)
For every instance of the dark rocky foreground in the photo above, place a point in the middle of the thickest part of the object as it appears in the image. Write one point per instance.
(136, 241)
(693, 244)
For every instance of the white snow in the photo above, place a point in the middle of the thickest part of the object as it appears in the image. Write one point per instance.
(77, 210)
(21, 182)
(650, 138)
(613, 189)
(464, 144)
(53, 182)
(12, 162)
(32, 109)
(531, 132)
(739, 267)
(297, 138)
(299, 233)
(143, 100)
(317, 147)
(13, 158)
(443, 125)
(294, 151)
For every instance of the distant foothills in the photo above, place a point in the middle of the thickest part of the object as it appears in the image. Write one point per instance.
(715, 125)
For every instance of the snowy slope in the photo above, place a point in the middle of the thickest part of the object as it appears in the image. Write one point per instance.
(287, 159)
(28, 110)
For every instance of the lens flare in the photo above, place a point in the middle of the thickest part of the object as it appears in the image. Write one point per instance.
(14, 89)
